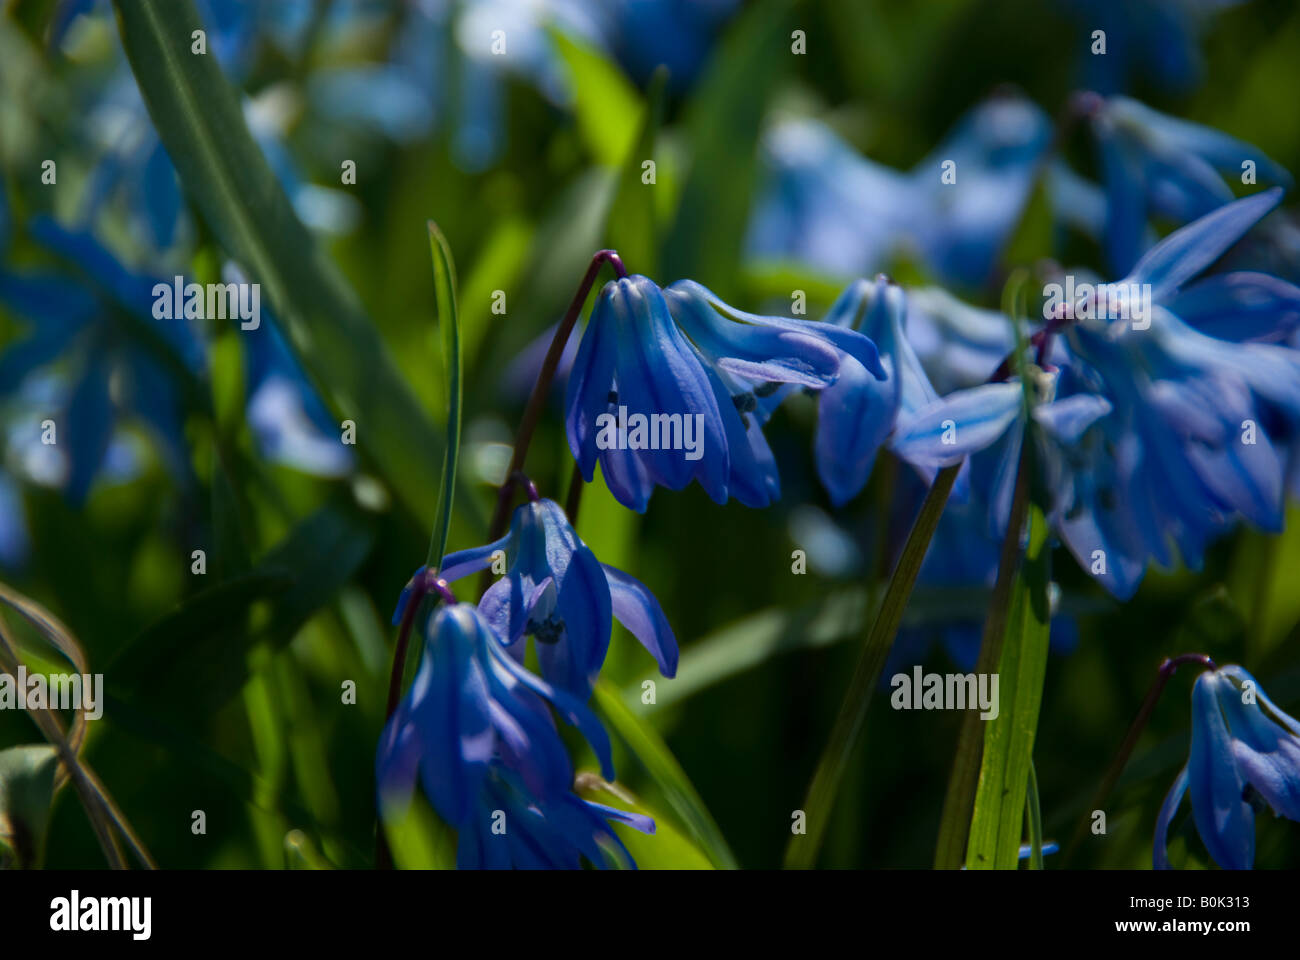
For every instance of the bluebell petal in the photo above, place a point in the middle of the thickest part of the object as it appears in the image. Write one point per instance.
(462, 563)
(1267, 753)
(1160, 851)
(637, 821)
(1190, 249)
(451, 712)
(854, 417)
(1069, 418)
(569, 707)
(397, 760)
(752, 476)
(638, 610)
(758, 352)
(687, 293)
(972, 419)
(591, 380)
(1224, 820)
(659, 373)
(1240, 306)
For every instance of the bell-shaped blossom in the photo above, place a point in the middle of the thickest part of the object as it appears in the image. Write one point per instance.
(1156, 435)
(556, 591)
(857, 414)
(472, 706)
(673, 386)
(823, 204)
(1188, 447)
(1245, 755)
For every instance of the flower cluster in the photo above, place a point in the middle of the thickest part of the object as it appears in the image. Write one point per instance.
(476, 725)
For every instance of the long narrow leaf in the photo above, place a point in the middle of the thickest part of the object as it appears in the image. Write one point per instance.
(822, 791)
(199, 118)
(444, 283)
(997, 822)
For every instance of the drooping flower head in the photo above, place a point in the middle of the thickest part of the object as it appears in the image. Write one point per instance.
(858, 413)
(673, 386)
(1245, 755)
(1156, 434)
(469, 706)
(556, 591)
(476, 731)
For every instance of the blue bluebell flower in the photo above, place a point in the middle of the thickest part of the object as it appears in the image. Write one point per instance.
(1154, 435)
(1188, 447)
(823, 204)
(556, 591)
(673, 386)
(476, 731)
(87, 313)
(1155, 165)
(857, 414)
(1245, 755)
(289, 421)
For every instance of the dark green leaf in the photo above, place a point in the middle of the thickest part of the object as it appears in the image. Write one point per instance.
(997, 823)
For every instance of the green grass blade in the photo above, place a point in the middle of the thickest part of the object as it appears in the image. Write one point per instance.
(444, 283)
(199, 118)
(801, 853)
(667, 774)
(997, 822)
(1034, 820)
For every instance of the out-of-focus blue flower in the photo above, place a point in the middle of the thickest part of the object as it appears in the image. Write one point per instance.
(1245, 755)
(824, 205)
(475, 730)
(557, 592)
(857, 413)
(1159, 38)
(959, 345)
(290, 423)
(1155, 165)
(86, 314)
(671, 386)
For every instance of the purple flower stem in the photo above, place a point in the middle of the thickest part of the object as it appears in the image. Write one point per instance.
(1167, 669)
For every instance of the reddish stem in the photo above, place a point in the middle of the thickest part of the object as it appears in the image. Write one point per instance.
(542, 388)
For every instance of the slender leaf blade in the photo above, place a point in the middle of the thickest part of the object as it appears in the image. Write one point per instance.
(444, 282)
(200, 121)
(997, 822)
